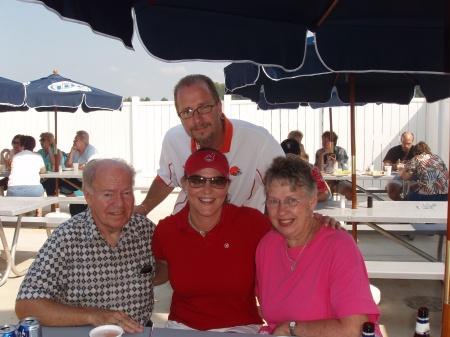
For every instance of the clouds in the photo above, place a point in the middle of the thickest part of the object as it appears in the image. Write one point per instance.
(173, 70)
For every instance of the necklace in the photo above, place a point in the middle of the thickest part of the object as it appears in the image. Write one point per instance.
(294, 263)
(202, 232)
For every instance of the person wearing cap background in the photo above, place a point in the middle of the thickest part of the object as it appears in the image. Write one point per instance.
(292, 147)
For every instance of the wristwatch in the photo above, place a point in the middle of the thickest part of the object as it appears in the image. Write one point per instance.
(292, 326)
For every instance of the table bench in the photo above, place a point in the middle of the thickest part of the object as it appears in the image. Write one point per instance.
(410, 230)
(406, 270)
(36, 222)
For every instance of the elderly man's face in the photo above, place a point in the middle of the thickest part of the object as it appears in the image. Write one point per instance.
(112, 200)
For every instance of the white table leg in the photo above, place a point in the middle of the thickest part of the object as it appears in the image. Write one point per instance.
(14, 248)
(6, 254)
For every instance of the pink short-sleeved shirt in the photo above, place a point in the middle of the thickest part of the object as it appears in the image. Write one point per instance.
(330, 280)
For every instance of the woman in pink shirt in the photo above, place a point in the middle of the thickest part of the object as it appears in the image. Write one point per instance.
(311, 280)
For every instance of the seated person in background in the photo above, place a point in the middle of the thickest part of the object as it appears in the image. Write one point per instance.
(47, 141)
(310, 280)
(81, 152)
(6, 160)
(96, 268)
(24, 180)
(291, 147)
(207, 252)
(400, 153)
(340, 155)
(323, 154)
(431, 172)
(47, 152)
(298, 136)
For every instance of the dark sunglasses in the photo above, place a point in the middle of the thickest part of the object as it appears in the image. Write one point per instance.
(199, 181)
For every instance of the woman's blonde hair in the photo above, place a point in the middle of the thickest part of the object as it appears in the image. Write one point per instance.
(48, 136)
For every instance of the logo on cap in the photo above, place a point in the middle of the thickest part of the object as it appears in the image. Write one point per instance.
(210, 157)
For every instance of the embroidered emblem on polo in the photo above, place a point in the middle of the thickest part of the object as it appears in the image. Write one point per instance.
(226, 245)
(235, 171)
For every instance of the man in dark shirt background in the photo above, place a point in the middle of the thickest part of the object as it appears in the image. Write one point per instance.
(399, 154)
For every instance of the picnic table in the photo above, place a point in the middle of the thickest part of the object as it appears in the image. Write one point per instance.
(17, 206)
(334, 178)
(388, 212)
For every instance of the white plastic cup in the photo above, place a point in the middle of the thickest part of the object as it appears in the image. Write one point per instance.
(106, 331)
(75, 166)
(388, 170)
(371, 167)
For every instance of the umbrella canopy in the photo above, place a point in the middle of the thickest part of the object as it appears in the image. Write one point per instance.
(315, 83)
(55, 91)
(12, 94)
(351, 34)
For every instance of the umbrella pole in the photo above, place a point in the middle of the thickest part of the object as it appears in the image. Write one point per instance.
(353, 150)
(445, 328)
(330, 111)
(57, 159)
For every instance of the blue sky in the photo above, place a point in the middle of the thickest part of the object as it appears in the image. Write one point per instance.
(34, 41)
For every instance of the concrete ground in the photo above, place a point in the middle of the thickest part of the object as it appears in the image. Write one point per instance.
(399, 298)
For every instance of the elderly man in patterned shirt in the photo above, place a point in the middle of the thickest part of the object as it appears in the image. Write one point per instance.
(96, 268)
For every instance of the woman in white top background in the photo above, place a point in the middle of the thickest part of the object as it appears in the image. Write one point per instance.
(24, 180)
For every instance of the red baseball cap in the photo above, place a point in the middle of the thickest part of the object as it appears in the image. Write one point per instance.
(207, 158)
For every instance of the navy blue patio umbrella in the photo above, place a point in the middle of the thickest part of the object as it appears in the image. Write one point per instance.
(12, 95)
(314, 83)
(351, 34)
(56, 93)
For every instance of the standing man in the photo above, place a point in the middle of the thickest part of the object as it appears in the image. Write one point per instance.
(249, 149)
(98, 267)
(400, 153)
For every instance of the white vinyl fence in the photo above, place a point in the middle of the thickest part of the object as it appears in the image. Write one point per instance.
(136, 133)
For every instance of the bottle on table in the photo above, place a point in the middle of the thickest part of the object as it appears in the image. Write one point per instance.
(368, 329)
(422, 322)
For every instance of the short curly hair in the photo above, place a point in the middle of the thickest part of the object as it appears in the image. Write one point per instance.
(293, 172)
(421, 147)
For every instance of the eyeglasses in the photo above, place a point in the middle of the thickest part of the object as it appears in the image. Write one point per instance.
(275, 203)
(17, 143)
(41, 140)
(199, 181)
(188, 113)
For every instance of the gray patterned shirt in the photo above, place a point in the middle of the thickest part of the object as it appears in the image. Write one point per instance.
(76, 266)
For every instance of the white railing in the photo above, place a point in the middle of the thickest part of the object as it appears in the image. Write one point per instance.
(136, 133)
